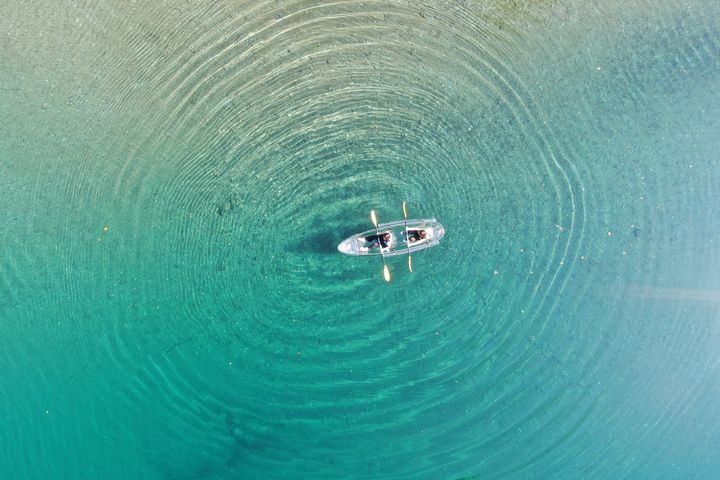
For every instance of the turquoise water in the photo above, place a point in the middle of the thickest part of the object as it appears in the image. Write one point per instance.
(176, 178)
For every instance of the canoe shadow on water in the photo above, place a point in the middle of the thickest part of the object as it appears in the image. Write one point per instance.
(322, 242)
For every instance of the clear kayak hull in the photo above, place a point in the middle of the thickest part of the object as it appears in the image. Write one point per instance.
(358, 245)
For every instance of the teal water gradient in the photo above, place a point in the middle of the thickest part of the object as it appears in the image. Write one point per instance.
(176, 179)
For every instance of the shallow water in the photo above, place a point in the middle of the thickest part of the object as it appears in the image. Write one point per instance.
(176, 179)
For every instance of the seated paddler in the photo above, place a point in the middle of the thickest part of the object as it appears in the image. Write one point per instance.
(415, 235)
(378, 240)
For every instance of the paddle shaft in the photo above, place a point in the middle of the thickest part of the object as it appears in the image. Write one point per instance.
(386, 272)
(407, 236)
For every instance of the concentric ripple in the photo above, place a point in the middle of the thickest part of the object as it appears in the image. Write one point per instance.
(190, 310)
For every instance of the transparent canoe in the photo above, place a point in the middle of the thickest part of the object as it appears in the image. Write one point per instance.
(398, 245)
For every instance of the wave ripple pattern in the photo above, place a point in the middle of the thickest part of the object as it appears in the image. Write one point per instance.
(177, 176)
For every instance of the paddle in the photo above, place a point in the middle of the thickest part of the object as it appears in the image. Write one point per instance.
(386, 272)
(407, 237)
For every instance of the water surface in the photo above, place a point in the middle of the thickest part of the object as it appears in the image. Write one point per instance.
(176, 178)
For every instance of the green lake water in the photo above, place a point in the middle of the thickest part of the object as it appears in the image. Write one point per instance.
(176, 177)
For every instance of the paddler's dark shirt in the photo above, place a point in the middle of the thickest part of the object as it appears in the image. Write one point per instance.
(375, 238)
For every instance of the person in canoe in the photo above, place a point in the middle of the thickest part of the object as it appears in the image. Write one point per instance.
(416, 235)
(378, 240)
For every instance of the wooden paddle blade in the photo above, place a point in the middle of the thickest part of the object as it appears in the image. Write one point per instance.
(386, 273)
(404, 209)
(410, 263)
(373, 217)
